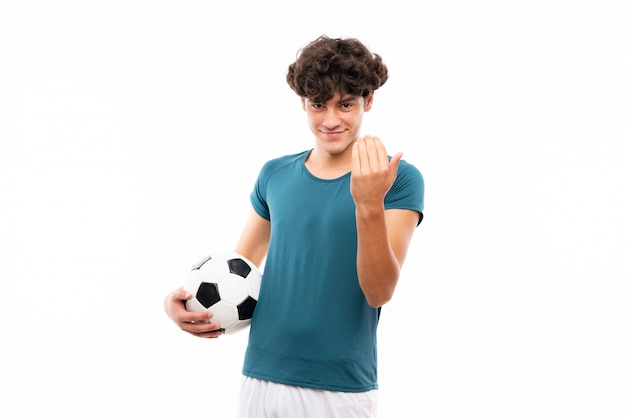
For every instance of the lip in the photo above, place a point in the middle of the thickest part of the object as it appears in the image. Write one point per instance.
(332, 134)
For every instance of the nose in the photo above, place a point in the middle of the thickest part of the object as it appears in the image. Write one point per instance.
(331, 119)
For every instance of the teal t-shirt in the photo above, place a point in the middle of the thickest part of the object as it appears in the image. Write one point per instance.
(312, 326)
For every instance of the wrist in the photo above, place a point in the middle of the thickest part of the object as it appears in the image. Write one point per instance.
(370, 212)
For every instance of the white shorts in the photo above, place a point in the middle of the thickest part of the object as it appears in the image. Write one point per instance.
(263, 399)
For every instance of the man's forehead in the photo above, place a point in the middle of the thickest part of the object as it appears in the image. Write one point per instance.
(349, 98)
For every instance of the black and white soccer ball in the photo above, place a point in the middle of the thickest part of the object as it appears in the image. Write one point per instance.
(227, 285)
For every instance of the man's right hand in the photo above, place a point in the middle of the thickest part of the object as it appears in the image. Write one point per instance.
(195, 323)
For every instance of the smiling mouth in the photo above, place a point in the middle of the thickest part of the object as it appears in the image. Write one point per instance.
(333, 133)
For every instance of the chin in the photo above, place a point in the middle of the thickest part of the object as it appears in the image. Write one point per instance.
(332, 147)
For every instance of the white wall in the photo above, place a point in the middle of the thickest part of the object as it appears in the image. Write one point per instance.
(131, 133)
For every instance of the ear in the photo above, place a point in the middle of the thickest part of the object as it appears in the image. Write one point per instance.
(368, 102)
(303, 106)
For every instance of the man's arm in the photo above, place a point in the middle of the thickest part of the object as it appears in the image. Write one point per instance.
(383, 236)
(254, 239)
(253, 245)
(383, 242)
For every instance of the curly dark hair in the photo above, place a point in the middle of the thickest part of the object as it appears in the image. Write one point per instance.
(328, 65)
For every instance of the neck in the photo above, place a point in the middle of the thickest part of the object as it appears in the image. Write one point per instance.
(329, 166)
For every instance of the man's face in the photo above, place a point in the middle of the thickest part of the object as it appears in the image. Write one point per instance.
(336, 124)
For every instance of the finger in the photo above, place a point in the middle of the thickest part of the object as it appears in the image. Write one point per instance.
(377, 158)
(381, 153)
(181, 294)
(395, 161)
(207, 330)
(198, 320)
(364, 152)
(203, 317)
(356, 161)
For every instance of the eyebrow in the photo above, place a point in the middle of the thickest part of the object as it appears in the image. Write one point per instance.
(342, 100)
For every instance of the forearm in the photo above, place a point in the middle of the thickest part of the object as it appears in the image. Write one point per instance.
(377, 267)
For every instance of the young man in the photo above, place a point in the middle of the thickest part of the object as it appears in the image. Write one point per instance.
(333, 225)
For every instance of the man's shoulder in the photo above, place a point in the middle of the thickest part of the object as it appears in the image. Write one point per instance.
(407, 168)
(284, 161)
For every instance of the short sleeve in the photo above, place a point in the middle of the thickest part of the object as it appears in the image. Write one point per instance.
(407, 192)
(258, 197)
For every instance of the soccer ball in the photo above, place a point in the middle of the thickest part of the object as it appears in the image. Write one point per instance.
(227, 285)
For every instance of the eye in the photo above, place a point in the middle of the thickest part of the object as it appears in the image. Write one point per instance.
(317, 106)
(346, 106)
